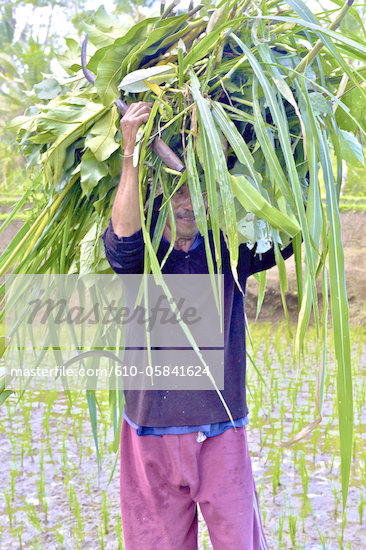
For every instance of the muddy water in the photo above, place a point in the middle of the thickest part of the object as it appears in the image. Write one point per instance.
(316, 519)
(60, 505)
(69, 466)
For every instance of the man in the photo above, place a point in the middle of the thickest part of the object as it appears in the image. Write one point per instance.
(179, 448)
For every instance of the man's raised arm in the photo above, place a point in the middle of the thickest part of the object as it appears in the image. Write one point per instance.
(126, 218)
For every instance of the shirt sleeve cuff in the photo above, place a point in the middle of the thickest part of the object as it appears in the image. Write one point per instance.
(129, 244)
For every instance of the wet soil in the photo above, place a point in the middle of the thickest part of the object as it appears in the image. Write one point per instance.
(354, 247)
(52, 492)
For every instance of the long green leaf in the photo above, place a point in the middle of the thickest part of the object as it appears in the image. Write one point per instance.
(236, 141)
(212, 200)
(222, 175)
(199, 209)
(253, 201)
(110, 65)
(274, 167)
(103, 144)
(340, 317)
(281, 123)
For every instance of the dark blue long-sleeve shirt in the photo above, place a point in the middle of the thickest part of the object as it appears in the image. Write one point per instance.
(194, 407)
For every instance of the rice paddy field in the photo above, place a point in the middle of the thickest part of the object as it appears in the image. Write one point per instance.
(283, 86)
(53, 496)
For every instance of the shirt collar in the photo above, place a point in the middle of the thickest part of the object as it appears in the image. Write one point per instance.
(197, 240)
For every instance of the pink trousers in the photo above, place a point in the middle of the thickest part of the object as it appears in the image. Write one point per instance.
(163, 479)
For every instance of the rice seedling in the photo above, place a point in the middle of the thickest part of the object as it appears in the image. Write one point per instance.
(335, 492)
(273, 396)
(332, 461)
(356, 444)
(105, 512)
(101, 536)
(361, 506)
(9, 509)
(322, 540)
(17, 533)
(264, 517)
(41, 485)
(265, 441)
(64, 456)
(316, 436)
(32, 515)
(323, 447)
(360, 400)
(292, 526)
(280, 530)
(205, 540)
(303, 530)
(282, 418)
(364, 468)
(118, 530)
(276, 472)
(79, 527)
(256, 408)
(304, 479)
(13, 475)
(341, 536)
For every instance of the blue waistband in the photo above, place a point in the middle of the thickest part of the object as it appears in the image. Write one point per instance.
(208, 429)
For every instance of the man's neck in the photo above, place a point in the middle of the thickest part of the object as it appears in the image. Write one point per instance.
(180, 243)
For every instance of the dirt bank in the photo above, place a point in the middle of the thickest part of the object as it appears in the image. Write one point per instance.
(9, 232)
(354, 246)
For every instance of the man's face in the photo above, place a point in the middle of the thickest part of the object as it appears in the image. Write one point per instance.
(184, 216)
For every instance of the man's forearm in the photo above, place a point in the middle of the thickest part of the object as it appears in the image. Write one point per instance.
(126, 219)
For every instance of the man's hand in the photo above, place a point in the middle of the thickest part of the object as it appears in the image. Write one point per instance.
(136, 115)
(126, 219)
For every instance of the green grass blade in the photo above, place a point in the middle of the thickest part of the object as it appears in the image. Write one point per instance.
(236, 141)
(200, 214)
(222, 175)
(204, 46)
(340, 317)
(261, 278)
(210, 180)
(274, 167)
(283, 282)
(282, 127)
(92, 405)
(314, 215)
(254, 202)
(117, 434)
(202, 145)
(296, 243)
(320, 380)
